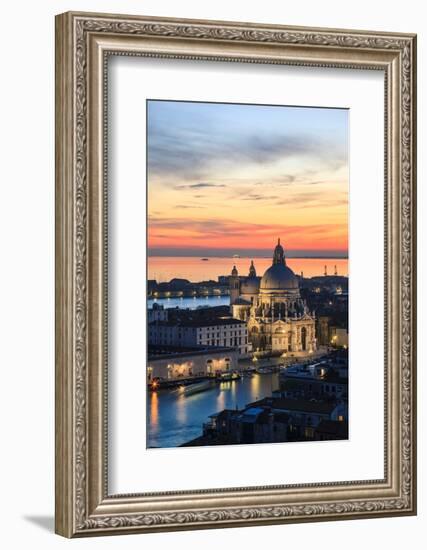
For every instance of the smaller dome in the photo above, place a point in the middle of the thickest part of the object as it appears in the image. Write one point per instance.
(241, 302)
(250, 285)
(234, 272)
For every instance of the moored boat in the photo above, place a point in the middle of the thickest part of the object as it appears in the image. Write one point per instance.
(196, 388)
(265, 370)
(228, 376)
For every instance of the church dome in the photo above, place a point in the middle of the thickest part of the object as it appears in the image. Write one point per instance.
(279, 277)
(250, 285)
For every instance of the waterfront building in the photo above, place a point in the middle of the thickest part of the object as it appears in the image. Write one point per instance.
(250, 425)
(338, 336)
(273, 420)
(326, 379)
(331, 386)
(212, 332)
(322, 330)
(277, 318)
(173, 363)
(182, 288)
(305, 415)
(329, 332)
(157, 313)
(308, 411)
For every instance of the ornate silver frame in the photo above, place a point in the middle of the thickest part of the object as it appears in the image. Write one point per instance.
(83, 505)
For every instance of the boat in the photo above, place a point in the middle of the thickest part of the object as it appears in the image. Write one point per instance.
(265, 370)
(248, 374)
(196, 388)
(229, 376)
(204, 259)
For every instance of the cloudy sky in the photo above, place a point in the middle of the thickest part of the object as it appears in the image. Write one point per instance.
(227, 178)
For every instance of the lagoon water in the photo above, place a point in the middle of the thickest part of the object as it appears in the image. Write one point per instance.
(165, 268)
(174, 418)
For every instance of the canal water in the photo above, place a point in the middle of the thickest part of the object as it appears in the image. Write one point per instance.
(174, 418)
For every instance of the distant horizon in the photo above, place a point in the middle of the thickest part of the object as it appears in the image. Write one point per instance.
(244, 253)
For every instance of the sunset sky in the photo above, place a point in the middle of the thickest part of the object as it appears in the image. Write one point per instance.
(230, 179)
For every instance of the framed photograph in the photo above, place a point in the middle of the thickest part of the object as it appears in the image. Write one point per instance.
(235, 274)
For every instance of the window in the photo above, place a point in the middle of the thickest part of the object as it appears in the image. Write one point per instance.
(309, 433)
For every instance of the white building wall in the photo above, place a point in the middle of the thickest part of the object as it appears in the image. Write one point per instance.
(233, 335)
(158, 313)
(187, 365)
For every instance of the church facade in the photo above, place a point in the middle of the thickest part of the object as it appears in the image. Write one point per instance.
(277, 318)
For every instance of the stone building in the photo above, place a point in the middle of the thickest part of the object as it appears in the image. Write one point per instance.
(277, 318)
(173, 363)
(215, 332)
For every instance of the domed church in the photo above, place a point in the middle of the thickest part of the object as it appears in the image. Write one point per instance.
(278, 319)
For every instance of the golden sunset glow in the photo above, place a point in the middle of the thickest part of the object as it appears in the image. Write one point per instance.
(232, 178)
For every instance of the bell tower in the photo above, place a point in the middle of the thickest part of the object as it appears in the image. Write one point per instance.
(252, 270)
(279, 254)
(234, 282)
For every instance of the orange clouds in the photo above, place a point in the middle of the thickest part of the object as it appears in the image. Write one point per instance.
(229, 234)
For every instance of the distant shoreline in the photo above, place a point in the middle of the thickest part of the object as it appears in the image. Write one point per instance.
(250, 257)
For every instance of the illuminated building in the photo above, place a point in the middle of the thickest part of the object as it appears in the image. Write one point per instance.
(277, 318)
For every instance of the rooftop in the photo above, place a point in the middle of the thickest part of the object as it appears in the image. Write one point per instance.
(329, 378)
(241, 302)
(301, 405)
(214, 322)
(166, 352)
(253, 415)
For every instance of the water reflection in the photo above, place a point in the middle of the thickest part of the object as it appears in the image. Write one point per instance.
(181, 410)
(154, 410)
(174, 418)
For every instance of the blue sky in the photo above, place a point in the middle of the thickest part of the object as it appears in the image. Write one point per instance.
(245, 168)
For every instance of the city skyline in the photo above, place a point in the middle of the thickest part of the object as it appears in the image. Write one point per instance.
(233, 177)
